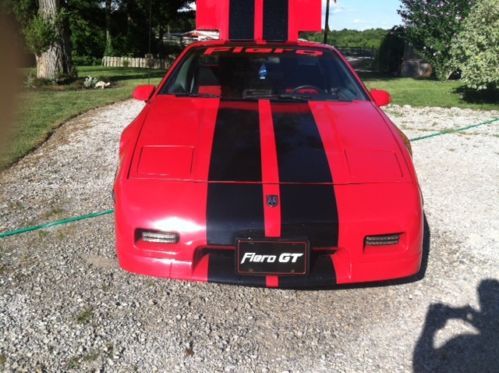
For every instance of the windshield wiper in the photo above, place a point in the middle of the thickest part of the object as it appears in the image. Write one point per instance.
(280, 97)
(306, 98)
(293, 97)
(196, 95)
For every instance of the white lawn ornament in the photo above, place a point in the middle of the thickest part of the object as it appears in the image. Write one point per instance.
(102, 85)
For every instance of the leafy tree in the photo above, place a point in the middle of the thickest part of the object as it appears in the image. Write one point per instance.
(391, 51)
(23, 10)
(87, 24)
(138, 26)
(46, 29)
(109, 42)
(92, 28)
(40, 34)
(370, 39)
(431, 26)
(54, 62)
(475, 50)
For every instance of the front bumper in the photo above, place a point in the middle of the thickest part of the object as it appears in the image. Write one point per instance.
(327, 271)
(363, 210)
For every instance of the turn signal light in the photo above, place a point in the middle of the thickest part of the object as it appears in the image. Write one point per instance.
(159, 237)
(384, 240)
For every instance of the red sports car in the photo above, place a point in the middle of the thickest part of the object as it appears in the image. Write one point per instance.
(266, 164)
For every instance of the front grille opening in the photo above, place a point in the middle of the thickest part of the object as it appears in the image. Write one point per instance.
(382, 240)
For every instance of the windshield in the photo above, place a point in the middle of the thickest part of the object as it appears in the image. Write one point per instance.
(239, 73)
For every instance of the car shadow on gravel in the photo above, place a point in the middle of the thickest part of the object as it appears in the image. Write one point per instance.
(470, 352)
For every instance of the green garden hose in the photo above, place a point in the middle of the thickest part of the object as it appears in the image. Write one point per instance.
(109, 212)
(451, 131)
(55, 223)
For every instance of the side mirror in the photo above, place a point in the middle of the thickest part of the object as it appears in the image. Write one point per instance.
(143, 92)
(380, 97)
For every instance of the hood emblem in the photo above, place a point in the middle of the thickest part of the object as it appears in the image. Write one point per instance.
(272, 200)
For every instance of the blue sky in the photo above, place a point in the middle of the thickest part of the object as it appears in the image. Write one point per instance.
(363, 14)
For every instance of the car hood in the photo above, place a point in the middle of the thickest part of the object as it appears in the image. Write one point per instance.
(208, 140)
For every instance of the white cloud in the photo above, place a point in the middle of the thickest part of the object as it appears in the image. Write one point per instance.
(359, 21)
(336, 7)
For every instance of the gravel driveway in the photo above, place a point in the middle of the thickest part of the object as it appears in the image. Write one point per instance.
(65, 305)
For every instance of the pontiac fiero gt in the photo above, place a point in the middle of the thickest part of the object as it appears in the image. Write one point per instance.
(263, 160)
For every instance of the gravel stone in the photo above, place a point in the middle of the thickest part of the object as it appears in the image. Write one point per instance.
(66, 306)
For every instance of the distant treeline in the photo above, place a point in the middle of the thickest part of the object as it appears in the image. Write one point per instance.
(371, 38)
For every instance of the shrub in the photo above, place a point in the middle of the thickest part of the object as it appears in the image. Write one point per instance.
(89, 82)
(475, 50)
(64, 79)
(391, 52)
(40, 34)
(30, 80)
(431, 26)
(86, 61)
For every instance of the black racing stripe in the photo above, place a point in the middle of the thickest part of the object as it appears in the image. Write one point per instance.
(242, 20)
(310, 211)
(222, 269)
(275, 20)
(322, 275)
(236, 152)
(300, 150)
(234, 211)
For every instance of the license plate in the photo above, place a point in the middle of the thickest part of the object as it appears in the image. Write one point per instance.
(272, 257)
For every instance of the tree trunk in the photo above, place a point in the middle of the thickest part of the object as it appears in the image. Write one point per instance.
(56, 61)
(109, 41)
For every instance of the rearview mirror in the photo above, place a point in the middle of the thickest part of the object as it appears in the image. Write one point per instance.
(143, 92)
(380, 97)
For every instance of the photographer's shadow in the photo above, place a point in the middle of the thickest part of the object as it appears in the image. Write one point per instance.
(466, 352)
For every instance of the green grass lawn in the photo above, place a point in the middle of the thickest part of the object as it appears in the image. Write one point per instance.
(416, 92)
(42, 110)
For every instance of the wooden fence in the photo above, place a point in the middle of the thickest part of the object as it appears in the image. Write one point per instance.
(145, 63)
